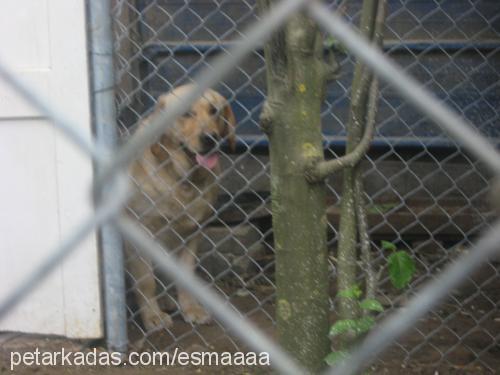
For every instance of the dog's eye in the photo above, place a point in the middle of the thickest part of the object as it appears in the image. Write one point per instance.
(212, 110)
(189, 114)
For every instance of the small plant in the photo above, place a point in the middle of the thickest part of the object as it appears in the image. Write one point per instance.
(401, 266)
(401, 270)
(355, 327)
(334, 44)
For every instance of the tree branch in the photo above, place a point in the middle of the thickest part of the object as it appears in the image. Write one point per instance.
(364, 238)
(363, 109)
(361, 217)
(378, 35)
(331, 67)
(320, 170)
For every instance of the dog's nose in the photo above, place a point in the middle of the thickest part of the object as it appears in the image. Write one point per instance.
(208, 140)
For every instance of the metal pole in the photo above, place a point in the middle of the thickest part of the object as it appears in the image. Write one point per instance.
(102, 73)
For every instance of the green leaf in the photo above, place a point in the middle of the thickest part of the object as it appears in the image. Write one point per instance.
(336, 357)
(388, 245)
(332, 43)
(371, 305)
(329, 42)
(401, 269)
(364, 324)
(354, 292)
(357, 326)
(342, 326)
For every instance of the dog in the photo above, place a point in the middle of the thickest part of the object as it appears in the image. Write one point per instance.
(176, 180)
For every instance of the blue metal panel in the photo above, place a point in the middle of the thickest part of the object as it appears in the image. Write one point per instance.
(452, 47)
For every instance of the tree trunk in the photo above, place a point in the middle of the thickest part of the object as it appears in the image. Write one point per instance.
(291, 118)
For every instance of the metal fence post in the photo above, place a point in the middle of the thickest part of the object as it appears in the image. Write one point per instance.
(104, 117)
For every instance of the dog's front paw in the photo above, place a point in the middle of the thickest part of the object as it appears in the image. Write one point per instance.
(194, 313)
(154, 319)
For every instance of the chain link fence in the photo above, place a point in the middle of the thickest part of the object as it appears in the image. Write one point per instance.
(426, 193)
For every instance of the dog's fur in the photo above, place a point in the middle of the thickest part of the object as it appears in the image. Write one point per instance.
(177, 189)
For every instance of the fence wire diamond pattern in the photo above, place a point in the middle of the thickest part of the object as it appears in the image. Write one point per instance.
(426, 191)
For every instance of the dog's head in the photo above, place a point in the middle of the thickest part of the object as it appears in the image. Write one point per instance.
(196, 135)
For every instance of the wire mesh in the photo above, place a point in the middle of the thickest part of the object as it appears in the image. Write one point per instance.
(425, 192)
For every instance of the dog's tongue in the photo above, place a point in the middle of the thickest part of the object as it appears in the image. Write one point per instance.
(207, 161)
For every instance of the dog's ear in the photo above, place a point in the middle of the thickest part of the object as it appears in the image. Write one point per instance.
(229, 126)
(159, 148)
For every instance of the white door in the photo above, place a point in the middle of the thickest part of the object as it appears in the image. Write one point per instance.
(44, 179)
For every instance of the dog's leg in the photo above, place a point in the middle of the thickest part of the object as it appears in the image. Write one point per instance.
(145, 291)
(192, 311)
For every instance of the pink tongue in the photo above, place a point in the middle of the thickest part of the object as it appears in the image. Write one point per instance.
(208, 162)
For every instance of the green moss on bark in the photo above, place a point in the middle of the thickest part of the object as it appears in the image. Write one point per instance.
(295, 78)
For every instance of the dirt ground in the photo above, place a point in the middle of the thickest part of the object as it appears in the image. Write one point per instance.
(461, 336)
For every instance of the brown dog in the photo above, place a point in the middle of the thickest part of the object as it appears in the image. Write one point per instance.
(177, 189)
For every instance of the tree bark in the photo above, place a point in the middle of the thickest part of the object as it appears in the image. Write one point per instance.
(359, 190)
(296, 75)
(359, 202)
(322, 169)
(348, 231)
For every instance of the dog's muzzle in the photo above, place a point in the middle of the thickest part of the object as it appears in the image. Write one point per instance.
(208, 142)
